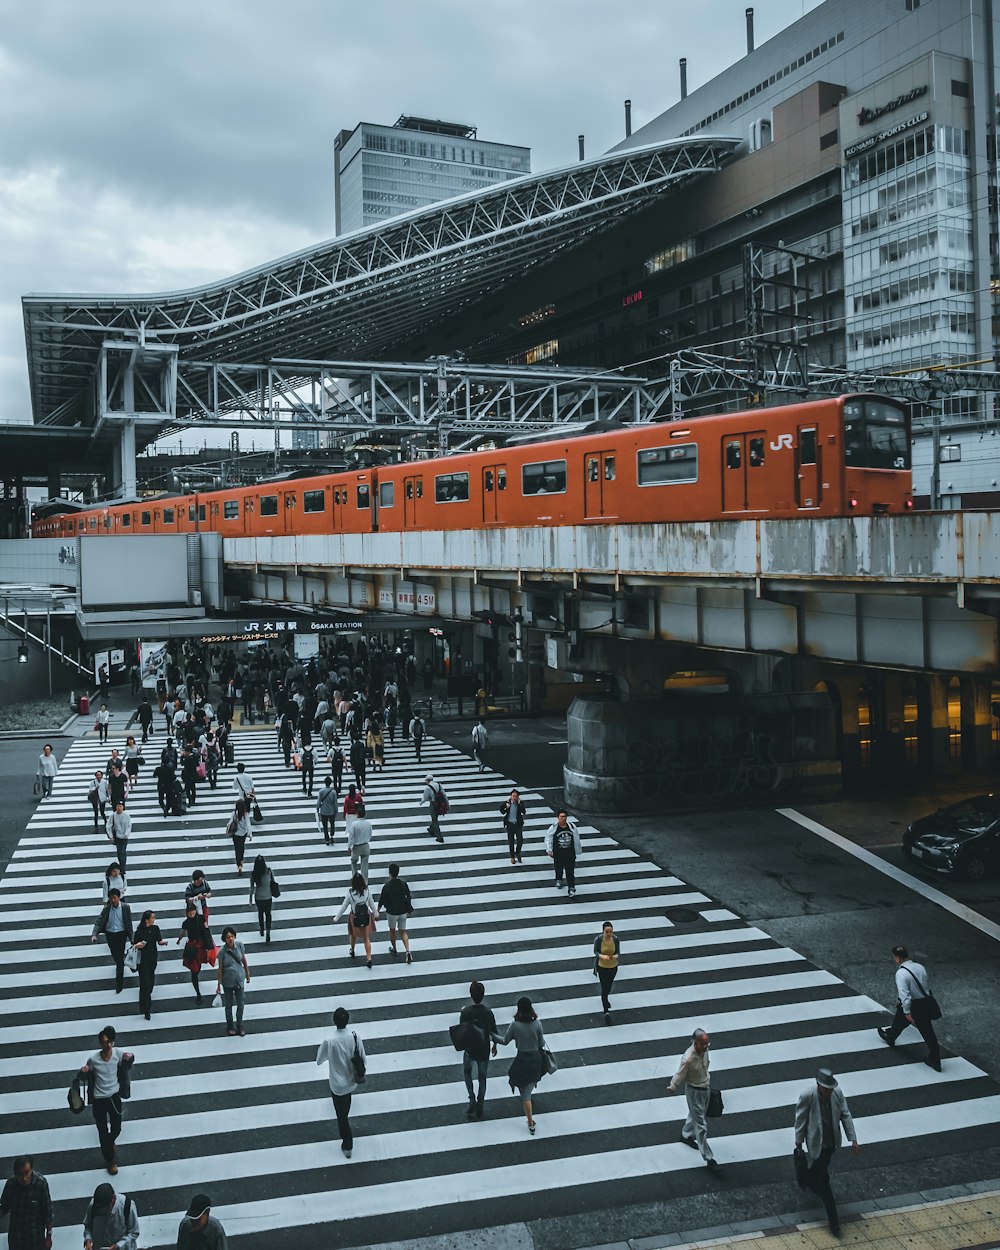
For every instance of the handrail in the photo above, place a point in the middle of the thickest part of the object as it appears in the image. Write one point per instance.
(28, 636)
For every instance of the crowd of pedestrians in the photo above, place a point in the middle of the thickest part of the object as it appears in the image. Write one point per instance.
(345, 717)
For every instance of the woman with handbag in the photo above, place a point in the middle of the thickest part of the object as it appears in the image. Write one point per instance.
(526, 1070)
(607, 948)
(361, 912)
(263, 890)
(352, 801)
(376, 745)
(147, 938)
(239, 830)
(197, 943)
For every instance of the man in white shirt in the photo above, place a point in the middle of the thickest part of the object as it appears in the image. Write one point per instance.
(337, 1051)
(359, 837)
(106, 1099)
(693, 1075)
(480, 741)
(243, 784)
(912, 1006)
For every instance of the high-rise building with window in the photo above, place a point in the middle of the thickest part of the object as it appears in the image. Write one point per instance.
(381, 171)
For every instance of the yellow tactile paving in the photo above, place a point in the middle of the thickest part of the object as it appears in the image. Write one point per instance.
(957, 1225)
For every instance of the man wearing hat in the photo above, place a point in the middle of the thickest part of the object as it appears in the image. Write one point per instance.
(111, 1221)
(819, 1113)
(199, 1229)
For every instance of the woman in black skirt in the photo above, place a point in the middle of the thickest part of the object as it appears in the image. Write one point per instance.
(197, 944)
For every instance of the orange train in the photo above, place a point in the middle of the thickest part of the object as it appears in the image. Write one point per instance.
(841, 456)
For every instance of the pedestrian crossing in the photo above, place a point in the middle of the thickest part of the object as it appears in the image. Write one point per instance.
(249, 1120)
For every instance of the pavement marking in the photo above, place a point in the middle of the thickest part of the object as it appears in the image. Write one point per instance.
(897, 874)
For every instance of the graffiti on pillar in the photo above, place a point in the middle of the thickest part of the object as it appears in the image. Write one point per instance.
(697, 766)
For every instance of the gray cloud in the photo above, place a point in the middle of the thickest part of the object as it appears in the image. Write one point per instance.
(151, 146)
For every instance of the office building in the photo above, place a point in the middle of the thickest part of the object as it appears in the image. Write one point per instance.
(380, 171)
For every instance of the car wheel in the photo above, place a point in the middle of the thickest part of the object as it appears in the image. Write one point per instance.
(975, 868)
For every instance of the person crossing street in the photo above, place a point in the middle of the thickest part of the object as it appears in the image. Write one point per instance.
(913, 1006)
(562, 845)
(692, 1074)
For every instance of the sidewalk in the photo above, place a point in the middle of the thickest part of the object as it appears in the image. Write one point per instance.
(965, 1217)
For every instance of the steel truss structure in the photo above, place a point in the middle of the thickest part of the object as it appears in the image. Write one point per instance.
(351, 298)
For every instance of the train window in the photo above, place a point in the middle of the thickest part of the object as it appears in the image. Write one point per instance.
(387, 494)
(501, 479)
(107, 522)
(593, 469)
(807, 446)
(488, 480)
(420, 488)
(451, 488)
(547, 477)
(147, 518)
(291, 499)
(364, 495)
(81, 524)
(93, 523)
(231, 510)
(657, 466)
(126, 520)
(755, 453)
(269, 505)
(875, 436)
(609, 468)
(314, 501)
(201, 512)
(409, 490)
(168, 516)
(734, 454)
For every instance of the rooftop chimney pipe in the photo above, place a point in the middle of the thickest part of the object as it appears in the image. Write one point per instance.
(628, 118)
(580, 140)
(684, 77)
(749, 30)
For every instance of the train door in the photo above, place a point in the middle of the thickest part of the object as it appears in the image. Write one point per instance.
(744, 477)
(413, 489)
(289, 506)
(494, 482)
(808, 488)
(337, 507)
(600, 496)
(213, 515)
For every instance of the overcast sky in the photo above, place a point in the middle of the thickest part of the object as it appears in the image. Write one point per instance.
(153, 146)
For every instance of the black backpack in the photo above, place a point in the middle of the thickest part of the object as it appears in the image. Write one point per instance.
(362, 916)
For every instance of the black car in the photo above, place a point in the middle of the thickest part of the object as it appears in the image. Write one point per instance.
(963, 839)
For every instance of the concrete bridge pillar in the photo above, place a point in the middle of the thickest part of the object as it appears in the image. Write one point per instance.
(976, 723)
(940, 734)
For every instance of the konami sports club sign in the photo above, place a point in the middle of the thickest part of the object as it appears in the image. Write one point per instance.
(867, 115)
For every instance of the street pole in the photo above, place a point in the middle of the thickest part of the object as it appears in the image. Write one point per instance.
(48, 643)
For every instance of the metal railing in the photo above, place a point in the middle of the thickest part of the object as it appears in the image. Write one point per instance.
(46, 645)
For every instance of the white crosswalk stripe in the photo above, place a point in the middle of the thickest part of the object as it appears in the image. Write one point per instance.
(250, 1120)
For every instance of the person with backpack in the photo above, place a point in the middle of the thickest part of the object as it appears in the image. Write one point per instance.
(111, 1220)
(359, 762)
(418, 728)
(480, 741)
(344, 1055)
(212, 755)
(562, 845)
(481, 1030)
(396, 902)
(263, 890)
(239, 830)
(436, 802)
(326, 809)
(361, 912)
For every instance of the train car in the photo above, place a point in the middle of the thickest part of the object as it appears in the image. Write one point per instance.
(829, 457)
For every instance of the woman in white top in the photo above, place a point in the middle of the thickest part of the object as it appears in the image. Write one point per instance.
(361, 912)
(48, 766)
(114, 879)
(101, 722)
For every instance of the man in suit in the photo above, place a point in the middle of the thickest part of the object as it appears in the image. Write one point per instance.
(819, 1114)
(115, 922)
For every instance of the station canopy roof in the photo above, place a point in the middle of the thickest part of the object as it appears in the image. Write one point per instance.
(357, 296)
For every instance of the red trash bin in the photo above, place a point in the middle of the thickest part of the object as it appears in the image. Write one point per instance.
(84, 705)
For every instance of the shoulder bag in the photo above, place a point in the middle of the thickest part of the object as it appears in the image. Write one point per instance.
(258, 817)
(933, 1008)
(358, 1063)
(275, 888)
(801, 1162)
(549, 1065)
(715, 1104)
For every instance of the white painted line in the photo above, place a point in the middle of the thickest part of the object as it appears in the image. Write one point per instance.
(896, 874)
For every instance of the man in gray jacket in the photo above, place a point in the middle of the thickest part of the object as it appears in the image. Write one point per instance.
(819, 1114)
(359, 837)
(111, 1220)
(912, 1006)
(326, 809)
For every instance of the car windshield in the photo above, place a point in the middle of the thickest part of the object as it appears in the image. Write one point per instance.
(974, 815)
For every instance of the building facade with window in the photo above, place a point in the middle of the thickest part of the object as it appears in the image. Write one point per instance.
(867, 178)
(381, 171)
